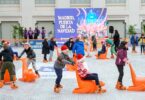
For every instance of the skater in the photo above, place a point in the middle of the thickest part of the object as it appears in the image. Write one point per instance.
(45, 50)
(70, 44)
(31, 57)
(103, 50)
(88, 43)
(86, 75)
(6, 59)
(116, 39)
(142, 43)
(43, 33)
(109, 43)
(120, 63)
(59, 64)
(36, 33)
(30, 33)
(133, 43)
(94, 42)
(78, 47)
(52, 44)
(15, 53)
(25, 33)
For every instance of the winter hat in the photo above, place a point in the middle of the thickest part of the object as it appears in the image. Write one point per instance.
(80, 57)
(26, 44)
(64, 47)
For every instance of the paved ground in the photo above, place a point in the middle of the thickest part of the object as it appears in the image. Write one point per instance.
(42, 89)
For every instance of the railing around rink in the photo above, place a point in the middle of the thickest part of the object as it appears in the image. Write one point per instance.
(37, 43)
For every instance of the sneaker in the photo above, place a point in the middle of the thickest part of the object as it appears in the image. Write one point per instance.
(101, 90)
(56, 89)
(60, 86)
(119, 86)
(36, 72)
(45, 61)
(13, 86)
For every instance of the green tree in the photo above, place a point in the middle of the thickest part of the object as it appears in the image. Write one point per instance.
(144, 28)
(131, 30)
(17, 33)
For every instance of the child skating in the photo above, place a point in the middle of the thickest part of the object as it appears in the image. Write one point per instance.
(86, 75)
(120, 63)
(45, 50)
(6, 59)
(103, 50)
(142, 43)
(31, 57)
(59, 64)
(109, 43)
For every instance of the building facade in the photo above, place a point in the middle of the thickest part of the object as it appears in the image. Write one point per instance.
(31, 13)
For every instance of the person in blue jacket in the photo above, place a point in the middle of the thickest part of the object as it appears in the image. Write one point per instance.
(133, 43)
(78, 47)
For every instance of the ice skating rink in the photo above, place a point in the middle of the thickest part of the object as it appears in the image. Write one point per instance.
(42, 89)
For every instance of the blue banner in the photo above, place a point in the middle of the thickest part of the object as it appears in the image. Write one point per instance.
(70, 22)
(36, 44)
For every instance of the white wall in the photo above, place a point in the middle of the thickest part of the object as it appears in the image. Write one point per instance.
(118, 25)
(27, 13)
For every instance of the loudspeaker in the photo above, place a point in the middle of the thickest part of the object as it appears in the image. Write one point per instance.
(111, 29)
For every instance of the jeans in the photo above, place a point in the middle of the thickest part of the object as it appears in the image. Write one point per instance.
(33, 61)
(93, 76)
(142, 47)
(100, 52)
(51, 54)
(121, 72)
(133, 47)
(58, 72)
(16, 53)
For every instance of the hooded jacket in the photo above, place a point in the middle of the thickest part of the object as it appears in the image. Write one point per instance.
(78, 48)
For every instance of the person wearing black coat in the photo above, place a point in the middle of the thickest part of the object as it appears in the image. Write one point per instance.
(116, 39)
(45, 50)
(94, 41)
(70, 44)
